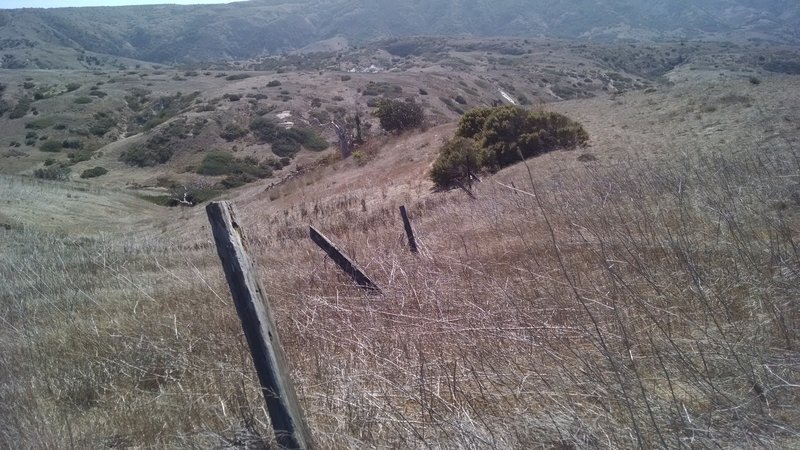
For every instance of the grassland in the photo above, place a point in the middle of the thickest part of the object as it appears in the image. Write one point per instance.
(646, 298)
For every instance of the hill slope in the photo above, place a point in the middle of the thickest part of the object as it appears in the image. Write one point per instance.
(169, 33)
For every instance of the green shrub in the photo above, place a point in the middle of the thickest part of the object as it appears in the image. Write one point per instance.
(75, 144)
(285, 147)
(73, 87)
(458, 159)
(285, 142)
(51, 146)
(274, 83)
(54, 172)
(20, 109)
(374, 88)
(346, 78)
(94, 172)
(238, 76)
(83, 100)
(232, 132)
(321, 115)
(232, 97)
(216, 163)
(80, 156)
(313, 141)
(103, 123)
(397, 115)
(493, 138)
(244, 170)
(147, 155)
(98, 94)
(264, 128)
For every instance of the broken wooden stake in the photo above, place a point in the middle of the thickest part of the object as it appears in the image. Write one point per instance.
(342, 260)
(412, 242)
(259, 328)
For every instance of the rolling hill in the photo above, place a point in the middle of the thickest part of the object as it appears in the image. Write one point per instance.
(70, 37)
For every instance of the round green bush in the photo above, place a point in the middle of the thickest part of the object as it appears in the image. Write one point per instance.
(94, 172)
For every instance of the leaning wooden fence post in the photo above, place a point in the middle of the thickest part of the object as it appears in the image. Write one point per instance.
(255, 314)
(412, 243)
(342, 260)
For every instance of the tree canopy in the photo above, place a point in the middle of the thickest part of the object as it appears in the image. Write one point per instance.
(493, 138)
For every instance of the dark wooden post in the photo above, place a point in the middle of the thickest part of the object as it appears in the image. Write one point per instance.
(259, 327)
(342, 260)
(412, 243)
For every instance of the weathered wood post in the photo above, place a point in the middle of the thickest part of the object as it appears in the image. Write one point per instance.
(259, 328)
(412, 242)
(342, 260)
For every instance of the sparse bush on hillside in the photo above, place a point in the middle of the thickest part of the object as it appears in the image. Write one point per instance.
(286, 142)
(21, 108)
(264, 128)
(493, 138)
(94, 172)
(147, 155)
(233, 131)
(240, 171)
(53, 172)
(274, 83)
(103, 123)
(75, 144)
(238, 76)
(137, 98)
(51, 146)
(73, 87)
(397, 115)
(83, 100)
(155, 112)
(80, 155)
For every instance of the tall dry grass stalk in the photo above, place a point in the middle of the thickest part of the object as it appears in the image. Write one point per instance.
(634, 305)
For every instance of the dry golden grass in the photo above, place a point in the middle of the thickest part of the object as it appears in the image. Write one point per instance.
(649, 300)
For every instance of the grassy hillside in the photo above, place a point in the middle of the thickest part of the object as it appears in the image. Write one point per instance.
(639, 292)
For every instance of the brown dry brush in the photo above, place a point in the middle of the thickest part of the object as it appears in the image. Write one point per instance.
(635, 305)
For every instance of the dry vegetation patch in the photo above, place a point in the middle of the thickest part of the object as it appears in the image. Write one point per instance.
(647, 299)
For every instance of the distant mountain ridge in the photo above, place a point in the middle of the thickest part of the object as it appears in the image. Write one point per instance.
(179, 34)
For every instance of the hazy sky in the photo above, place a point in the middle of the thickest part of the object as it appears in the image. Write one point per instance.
(9, 4)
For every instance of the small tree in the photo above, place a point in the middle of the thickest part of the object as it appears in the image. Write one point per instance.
(398, 115)
(493, 138)
(460, 159)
